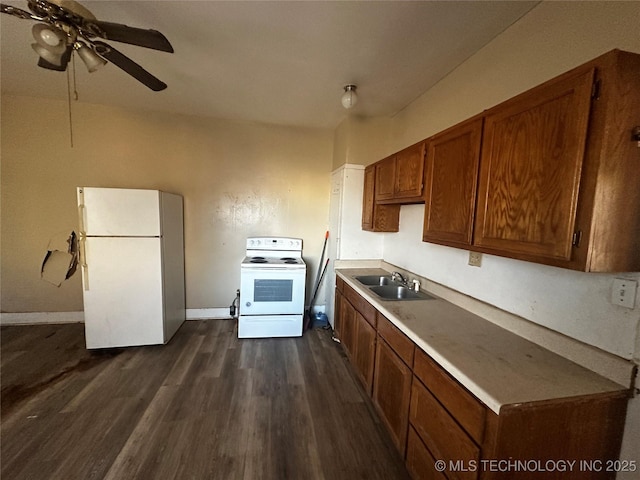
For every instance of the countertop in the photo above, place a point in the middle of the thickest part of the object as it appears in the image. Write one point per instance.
(499, 367)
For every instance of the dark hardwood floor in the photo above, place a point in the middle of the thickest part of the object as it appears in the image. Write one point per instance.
(205, 406)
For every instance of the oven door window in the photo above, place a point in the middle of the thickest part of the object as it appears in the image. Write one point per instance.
(272, 290)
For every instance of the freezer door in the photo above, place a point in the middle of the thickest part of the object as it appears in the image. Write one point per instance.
(123, 302)
(119, 212)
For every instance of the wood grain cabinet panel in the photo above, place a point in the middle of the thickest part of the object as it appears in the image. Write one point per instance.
(367, 310)
(392, 392)
(451, 179)
(348, 326)
(337, 312)
(377, 217)
(400, 177)
(442, 435)
(558, 181)
(410, 172)
(398, 341)
(463, 406)
(385, 178)
(420, 462)
(530, 171)
(365, 351)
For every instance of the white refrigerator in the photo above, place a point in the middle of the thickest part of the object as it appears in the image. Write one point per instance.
(132, 259)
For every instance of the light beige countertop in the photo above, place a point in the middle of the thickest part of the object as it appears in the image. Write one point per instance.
(497, 366)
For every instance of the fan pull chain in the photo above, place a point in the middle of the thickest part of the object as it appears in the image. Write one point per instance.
(75, 95)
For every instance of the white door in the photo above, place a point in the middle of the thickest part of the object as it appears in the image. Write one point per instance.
(119, 212)
(122, 285)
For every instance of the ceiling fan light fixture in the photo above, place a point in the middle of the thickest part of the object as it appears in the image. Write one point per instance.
(349, 97)
(51, 38)
(47, 55)
(91, 59)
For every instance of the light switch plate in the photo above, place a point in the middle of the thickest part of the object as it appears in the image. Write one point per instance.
(623, 292)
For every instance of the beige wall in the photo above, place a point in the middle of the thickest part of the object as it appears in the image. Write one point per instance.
(237, 179)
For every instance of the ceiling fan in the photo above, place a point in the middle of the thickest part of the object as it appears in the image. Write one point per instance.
(66, 27)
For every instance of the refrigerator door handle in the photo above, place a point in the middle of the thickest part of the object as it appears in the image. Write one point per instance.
(83, 261)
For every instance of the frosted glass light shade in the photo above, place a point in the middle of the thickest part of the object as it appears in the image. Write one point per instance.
(50, 38)
(90, 58)
(47, 55)
(349, 97)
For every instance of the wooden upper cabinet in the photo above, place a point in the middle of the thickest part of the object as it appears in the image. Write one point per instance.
(399, 178)
(368, 198)
(532, 158)
(450, 187)
(559, 171)
(377, 218)
(385, 178)
(410, 172)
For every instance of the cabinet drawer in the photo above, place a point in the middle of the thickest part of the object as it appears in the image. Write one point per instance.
(463, 406)
(360, 304)
(398, 341)
(442, 435)
(420, 462)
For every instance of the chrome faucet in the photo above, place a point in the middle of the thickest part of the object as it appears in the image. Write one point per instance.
(398, 275)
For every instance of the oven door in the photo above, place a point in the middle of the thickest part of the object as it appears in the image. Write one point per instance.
(272, 291)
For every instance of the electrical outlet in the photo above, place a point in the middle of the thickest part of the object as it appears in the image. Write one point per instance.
(623, 292)
(475, 259)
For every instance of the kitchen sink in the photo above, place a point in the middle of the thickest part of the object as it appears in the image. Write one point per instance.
(399, 292)
(376, 280)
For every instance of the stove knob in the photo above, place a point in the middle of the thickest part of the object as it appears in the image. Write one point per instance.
(248, 304)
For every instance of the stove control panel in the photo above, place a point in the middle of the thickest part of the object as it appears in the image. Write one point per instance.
(274, 243)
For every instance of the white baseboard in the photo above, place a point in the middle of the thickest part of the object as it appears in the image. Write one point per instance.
(35, 318)
(207, 313)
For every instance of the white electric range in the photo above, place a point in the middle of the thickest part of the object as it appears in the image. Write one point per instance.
(272, 288)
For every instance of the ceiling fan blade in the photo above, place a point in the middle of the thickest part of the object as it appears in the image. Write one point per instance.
(129, 66)
(134, 36)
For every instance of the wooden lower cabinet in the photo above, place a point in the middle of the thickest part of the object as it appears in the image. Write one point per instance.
(420, 462)
(392, 392)
(431, 417)
(348, 327)
(442, 434)
(358, 333)
(365, 351)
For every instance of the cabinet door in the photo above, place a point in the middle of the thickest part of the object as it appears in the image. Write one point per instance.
(409, 172)
(392, 392)
(348, 326)
(532, 154)
(365, 351)
(385, 178)
(375, 217)
(450, 189)
(337, 315)
(368, 198)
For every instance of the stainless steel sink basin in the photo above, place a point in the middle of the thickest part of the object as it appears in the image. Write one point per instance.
(376, 280)
(398, 292)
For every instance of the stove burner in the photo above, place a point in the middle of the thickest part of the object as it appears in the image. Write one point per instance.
(258, 260)
(288, 259)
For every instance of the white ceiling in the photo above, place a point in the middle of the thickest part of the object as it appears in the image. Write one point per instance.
(274, 61)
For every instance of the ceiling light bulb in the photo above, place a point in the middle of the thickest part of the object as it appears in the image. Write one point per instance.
(51, 38)
(349, 97)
